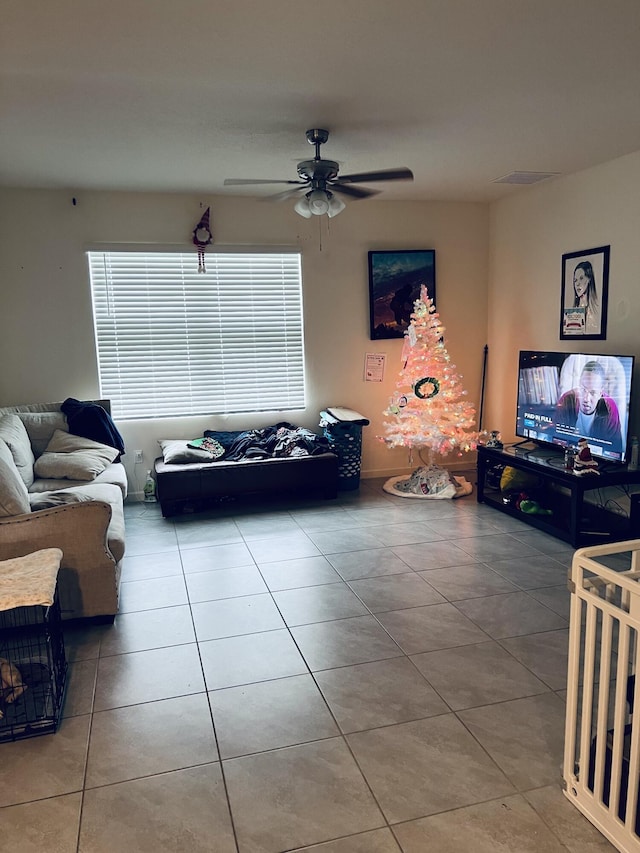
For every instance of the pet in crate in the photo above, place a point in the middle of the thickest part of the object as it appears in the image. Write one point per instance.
(11, 684)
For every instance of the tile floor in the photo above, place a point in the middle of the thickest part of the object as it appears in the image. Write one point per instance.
(366, 675)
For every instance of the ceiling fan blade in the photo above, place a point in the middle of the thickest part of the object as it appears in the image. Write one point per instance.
(400, 174)
(286, 194)
(231, 182)
(354, 192)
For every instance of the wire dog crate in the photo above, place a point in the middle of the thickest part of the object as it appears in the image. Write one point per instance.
(33, 664)
(602, 738)
(343, 430)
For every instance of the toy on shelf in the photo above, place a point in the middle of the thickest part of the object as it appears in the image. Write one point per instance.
(525, 503)
(495, 440)
(584, 462)
(531, 507)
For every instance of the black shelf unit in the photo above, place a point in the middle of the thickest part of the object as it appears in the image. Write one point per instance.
(573, 519)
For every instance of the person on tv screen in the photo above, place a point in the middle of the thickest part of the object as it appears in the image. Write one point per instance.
(589, 410)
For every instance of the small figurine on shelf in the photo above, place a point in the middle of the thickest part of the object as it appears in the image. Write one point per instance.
(584, 462)
(495, 440)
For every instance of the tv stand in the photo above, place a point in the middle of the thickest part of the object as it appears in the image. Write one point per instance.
(573, 519)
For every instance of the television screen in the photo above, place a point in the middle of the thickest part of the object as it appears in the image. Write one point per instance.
(563, 397)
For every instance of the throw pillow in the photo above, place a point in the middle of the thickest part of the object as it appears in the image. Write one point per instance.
(14, 498)
(176, 452)
(72, 457)
(41, 426)
(13, 432)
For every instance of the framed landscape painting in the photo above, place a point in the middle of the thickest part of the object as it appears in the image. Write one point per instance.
(394, 284)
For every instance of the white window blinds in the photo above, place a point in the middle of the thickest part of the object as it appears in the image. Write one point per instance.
(172, 341)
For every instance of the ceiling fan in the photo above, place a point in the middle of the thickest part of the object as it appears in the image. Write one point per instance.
(319, 178)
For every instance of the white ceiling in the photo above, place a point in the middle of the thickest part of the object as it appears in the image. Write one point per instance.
(164, 95)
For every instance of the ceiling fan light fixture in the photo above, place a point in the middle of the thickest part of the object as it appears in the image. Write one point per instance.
(318, 202)
(336, 205)
(302, 207)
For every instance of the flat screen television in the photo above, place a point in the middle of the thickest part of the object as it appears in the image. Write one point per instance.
(563, 397)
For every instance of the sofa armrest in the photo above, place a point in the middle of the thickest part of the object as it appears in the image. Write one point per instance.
(73, 527)
(88, 575)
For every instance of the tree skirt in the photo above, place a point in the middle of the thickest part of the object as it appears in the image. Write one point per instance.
(430, 482)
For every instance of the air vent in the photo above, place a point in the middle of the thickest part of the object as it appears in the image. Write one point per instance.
(525, 177)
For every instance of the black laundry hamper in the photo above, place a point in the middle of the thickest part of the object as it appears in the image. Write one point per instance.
(343, 430)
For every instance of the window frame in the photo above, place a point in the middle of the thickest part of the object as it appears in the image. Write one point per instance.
(172, 342)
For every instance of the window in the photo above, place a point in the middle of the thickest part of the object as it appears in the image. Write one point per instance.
(172, 341)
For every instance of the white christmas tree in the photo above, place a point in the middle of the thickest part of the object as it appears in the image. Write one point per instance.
(429, 409)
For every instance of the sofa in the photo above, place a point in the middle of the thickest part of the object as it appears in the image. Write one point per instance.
(60, 490)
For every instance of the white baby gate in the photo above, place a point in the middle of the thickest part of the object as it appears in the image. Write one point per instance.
(602, 743)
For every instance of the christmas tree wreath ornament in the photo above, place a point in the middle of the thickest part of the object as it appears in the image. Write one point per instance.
(436, 416)
(426, 388)
(202, 237)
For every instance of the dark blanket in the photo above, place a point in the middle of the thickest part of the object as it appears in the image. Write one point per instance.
(277, 441)
(91, 421)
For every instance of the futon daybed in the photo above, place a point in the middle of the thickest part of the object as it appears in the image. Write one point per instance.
(253, 462)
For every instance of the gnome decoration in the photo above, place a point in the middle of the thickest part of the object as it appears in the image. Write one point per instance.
(202, 237)
(584, 463)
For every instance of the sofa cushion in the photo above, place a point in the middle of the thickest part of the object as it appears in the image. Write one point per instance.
(14, 498)
(15, 435)
(41, 426)
(114, 474)
(71, 457)
(176, 451)
(60, 497)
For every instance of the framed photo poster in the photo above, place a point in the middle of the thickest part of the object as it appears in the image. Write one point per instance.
(585, 294)
(394, 285)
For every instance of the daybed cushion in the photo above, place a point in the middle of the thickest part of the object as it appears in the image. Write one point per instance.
(13, 432)
(176, 451)
(14, 498)
(71, 457)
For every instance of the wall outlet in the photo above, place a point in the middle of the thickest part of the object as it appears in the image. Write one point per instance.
(139, 456)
